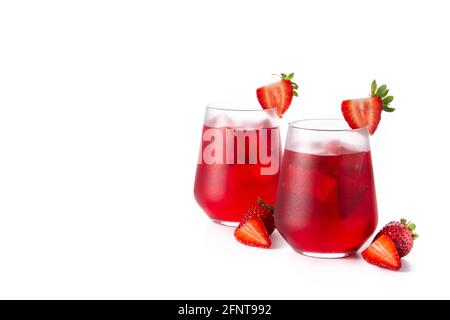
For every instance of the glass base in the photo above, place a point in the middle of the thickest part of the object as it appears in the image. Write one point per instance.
(226, 223)
(325, 255)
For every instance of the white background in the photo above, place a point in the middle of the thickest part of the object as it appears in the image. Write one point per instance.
(101, 108)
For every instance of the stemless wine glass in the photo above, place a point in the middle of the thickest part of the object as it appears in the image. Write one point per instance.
(326, 204)
(238, 162)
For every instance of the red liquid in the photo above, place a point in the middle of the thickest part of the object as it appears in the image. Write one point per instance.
(226, 191)
(326, 204)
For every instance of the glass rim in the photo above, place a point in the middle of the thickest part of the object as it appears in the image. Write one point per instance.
(295, 125)
(246, 107)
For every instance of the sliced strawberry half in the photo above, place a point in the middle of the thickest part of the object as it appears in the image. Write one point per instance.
(278, 95)
(383, 253)
(367, 111)
(252, 232)
(363, 112)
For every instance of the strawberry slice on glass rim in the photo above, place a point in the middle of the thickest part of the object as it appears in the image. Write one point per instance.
(360, 113)
(279, 94)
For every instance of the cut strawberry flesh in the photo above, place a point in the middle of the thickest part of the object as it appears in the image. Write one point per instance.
(253, 233)
(360, 113)
(383, 253)
(276, 95)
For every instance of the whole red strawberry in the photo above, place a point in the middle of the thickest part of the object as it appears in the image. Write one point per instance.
(264, 212)
(402, 233)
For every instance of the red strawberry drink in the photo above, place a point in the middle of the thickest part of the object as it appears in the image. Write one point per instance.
(239, 161)
(326, 203)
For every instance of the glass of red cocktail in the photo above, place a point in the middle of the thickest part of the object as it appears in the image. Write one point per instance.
(238, 162)
(326, 203)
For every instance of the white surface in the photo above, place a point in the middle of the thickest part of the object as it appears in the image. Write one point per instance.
(101, 108)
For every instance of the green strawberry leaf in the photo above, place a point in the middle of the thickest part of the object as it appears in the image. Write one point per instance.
(388, 109)
(373, 88)
(388, 100)
(381, 90)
